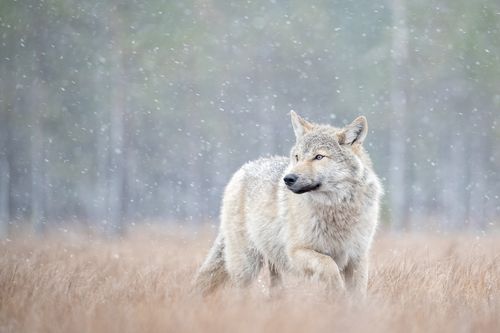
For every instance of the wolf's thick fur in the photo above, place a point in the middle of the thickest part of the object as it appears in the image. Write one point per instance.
(320, 224)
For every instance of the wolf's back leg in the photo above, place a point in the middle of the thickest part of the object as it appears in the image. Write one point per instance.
(243, 263)
(212, 274)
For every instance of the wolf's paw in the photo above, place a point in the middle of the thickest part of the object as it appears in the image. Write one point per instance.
(331, 275)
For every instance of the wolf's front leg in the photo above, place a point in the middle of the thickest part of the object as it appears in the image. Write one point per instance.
(356, 275)
(312, 263)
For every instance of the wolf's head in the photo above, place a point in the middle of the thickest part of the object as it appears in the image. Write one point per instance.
(326, 159)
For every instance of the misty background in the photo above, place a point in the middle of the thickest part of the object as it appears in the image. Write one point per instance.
(115, 113)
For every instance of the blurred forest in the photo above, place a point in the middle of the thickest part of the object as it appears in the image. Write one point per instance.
(119, 112)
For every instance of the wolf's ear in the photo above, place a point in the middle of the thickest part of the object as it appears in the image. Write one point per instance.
(355, 132)
(300, 126)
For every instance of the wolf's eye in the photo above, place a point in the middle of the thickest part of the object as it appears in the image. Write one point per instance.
(318, 157)
(297, 158)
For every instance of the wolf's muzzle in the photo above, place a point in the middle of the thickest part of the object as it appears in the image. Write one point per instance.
(291, 182)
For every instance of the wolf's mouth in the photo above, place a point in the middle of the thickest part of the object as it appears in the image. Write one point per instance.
(304, 189)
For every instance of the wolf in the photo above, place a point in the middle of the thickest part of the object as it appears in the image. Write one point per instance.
(312, 214)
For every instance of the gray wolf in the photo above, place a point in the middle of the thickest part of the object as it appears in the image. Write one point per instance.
(312, 214)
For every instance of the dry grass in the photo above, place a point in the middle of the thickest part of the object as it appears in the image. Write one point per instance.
(419, 283)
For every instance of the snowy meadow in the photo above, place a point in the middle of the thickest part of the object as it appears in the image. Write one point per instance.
(141, 283)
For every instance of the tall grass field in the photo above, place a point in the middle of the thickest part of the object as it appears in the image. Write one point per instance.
(142, 283)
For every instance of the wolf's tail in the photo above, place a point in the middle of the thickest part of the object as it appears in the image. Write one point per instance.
(212, 274)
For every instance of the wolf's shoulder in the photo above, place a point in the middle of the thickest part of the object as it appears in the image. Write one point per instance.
(266, 168)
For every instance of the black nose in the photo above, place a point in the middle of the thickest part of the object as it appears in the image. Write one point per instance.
(290, 179)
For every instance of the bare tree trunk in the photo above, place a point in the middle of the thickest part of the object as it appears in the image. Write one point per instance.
(9, 100)
(99, 212)
(4, 197)
(107, 205)
(456, 177)
(116, 151)
(477, 160)
(37, 157)
(397, 175)
(37, 104)
(132, 173)
(4, 166)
